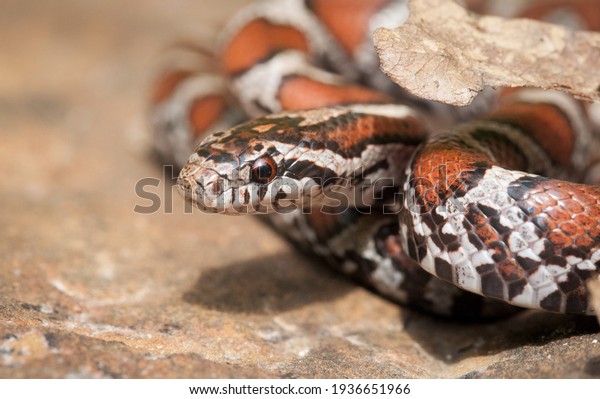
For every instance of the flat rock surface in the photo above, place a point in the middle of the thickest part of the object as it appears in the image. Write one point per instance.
(91, 288)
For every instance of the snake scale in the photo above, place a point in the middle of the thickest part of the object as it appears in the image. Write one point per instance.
(456, 212)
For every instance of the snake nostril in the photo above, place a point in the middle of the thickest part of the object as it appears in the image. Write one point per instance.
(186, 188)
(214, 186)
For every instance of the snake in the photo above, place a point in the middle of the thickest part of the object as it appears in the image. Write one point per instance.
(460, 212)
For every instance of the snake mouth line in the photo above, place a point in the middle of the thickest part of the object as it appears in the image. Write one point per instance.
(261, 199)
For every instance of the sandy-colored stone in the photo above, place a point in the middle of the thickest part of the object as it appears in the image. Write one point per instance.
(92, 289)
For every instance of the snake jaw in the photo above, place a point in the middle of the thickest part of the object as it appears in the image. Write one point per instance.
(231, 191)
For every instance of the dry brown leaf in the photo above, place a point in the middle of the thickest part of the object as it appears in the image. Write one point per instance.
(445, 53)
(594, 289)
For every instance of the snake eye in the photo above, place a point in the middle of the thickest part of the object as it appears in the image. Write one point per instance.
(264, 170)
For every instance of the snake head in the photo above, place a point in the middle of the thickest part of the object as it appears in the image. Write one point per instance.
(333, 157)
(222, 181)
(243, 170)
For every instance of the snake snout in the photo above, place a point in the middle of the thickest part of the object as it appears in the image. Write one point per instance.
(203, 187)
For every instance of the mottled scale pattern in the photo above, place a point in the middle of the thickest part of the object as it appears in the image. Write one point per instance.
(507, 234)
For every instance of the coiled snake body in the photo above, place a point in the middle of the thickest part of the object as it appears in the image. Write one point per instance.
(362, 175)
